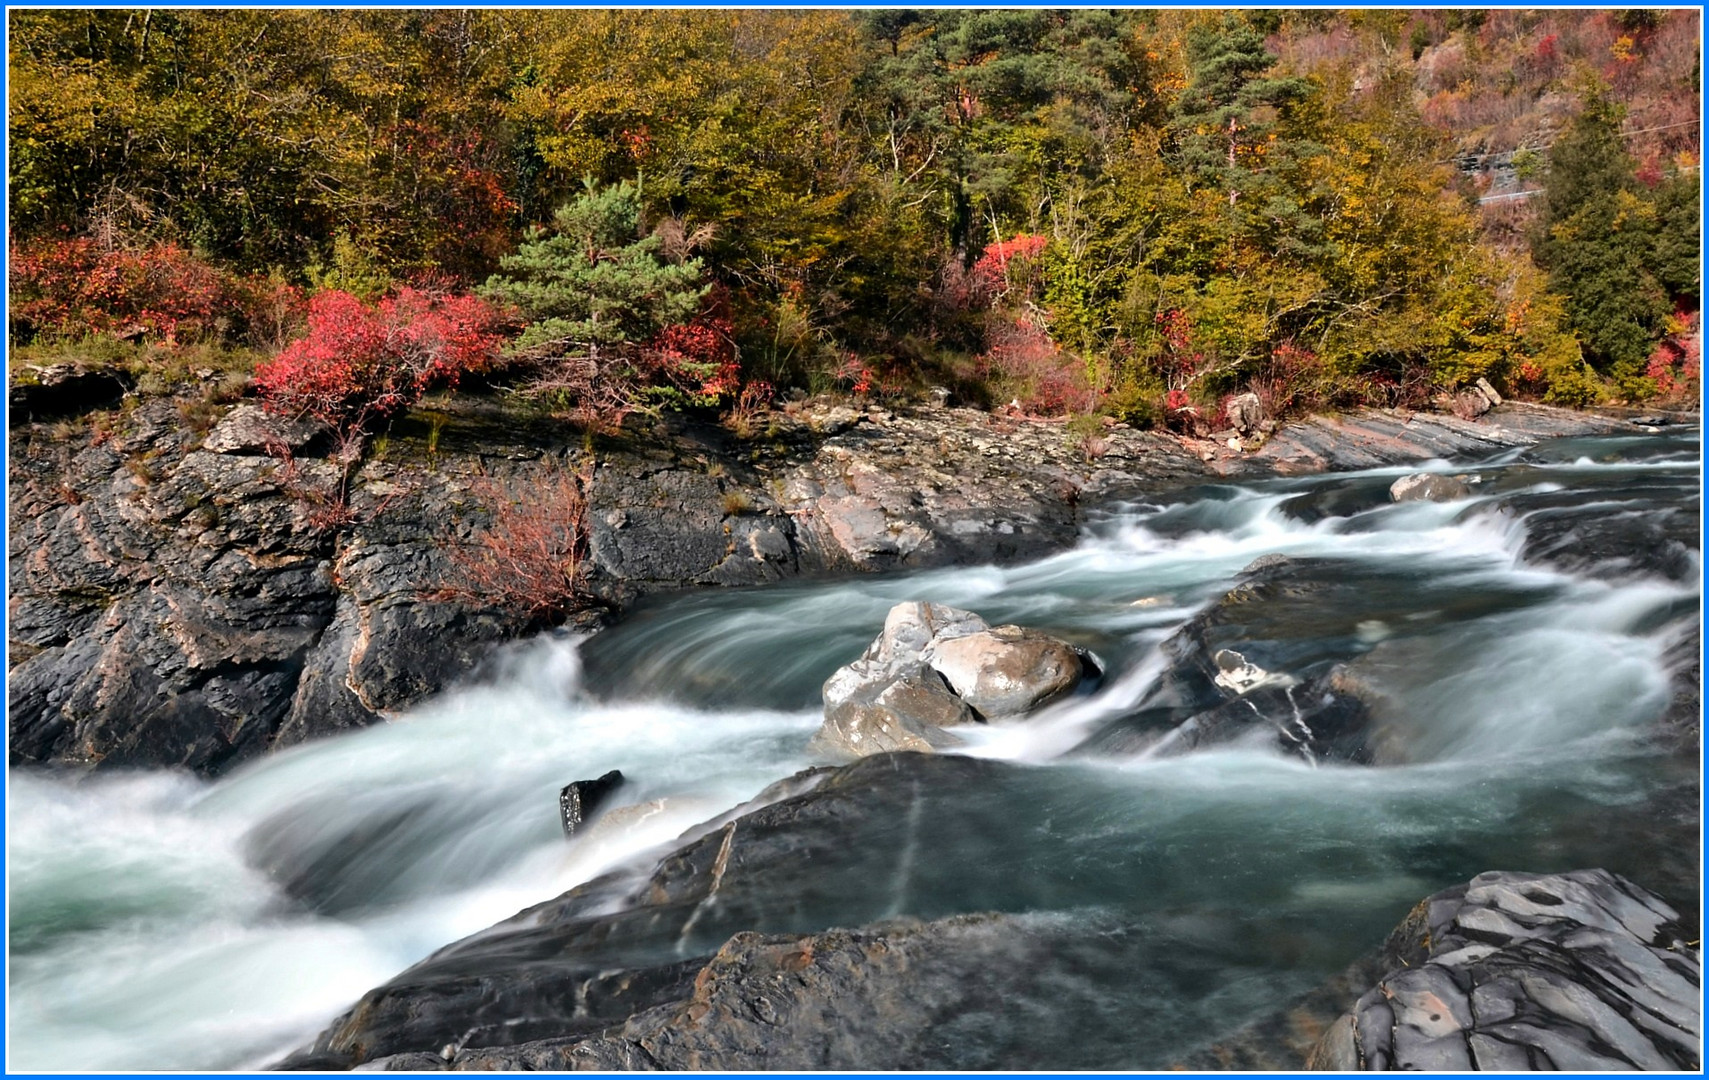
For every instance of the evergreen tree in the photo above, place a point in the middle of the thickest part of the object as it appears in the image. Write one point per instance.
(594, 282)
(1222, 122)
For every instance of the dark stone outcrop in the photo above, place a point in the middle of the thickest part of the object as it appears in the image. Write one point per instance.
(55, 390)
(834, 835)
(1254, 666)
(580, 799)
(966, 992)
(1518, 972)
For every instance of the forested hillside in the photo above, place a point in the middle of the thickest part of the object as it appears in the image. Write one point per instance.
(1133, 212)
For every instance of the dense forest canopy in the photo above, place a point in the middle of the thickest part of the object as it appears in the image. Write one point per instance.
(1135, 211)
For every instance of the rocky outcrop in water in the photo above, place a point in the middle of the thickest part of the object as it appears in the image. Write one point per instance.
(1582, 971)
(1251, 667)
(1432, 487)
(173, 605)
(966, 992)
(611, 949)
(933, 667)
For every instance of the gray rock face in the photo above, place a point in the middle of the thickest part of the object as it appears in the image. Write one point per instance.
(175, 606)
(1006, 671)
(935, 666)
(63, 390)
(249, 429)
(1517, 972)
(1429, 486)
(1247, 413)
(700, 959)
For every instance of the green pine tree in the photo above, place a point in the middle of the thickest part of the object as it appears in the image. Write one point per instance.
(594, 283)
(1222, 122)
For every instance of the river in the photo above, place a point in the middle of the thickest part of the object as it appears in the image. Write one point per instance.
(146, 932)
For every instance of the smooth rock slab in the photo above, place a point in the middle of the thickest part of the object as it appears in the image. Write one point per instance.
(1575, 971)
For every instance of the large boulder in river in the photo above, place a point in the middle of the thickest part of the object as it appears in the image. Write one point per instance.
(1581, 971)
(1007, 671)
(1261, 665)
(935, 667)
(1433, 487)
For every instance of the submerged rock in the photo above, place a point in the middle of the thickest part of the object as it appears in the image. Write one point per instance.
(935, 666)
(1518, 972)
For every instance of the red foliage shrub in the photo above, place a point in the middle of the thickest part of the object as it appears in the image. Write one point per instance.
(1286, 379)
(991, 272)
(697, 357)
(360, 362)
(1023, 361)
(532, 557)
(68, 288)
(854, 373)
(1676, 365)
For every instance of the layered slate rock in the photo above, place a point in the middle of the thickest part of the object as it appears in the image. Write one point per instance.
(839, 847)
(934, 667)
(175, 601)
(1512, 972)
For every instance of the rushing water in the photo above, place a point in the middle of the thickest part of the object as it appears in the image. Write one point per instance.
(144, 932)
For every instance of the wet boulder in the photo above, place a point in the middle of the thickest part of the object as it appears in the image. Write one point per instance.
(1577, 971)
(1314, 720)
(872, 708)
(1259, 665)
(1433, 487)
(579, 800)
(1007, 671)
(935, 667)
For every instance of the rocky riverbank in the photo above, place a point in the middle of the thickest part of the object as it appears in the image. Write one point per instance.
(190, 596)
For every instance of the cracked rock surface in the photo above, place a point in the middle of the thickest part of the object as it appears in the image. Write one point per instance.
(1517, 972)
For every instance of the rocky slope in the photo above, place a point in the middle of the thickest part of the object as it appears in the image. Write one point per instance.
(189, 599)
